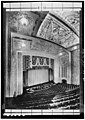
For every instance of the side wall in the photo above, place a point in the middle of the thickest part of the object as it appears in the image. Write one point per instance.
(75, 66)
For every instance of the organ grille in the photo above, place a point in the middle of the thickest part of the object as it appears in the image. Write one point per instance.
(37, 61)
(64, 70)
(42, 61)
(26, 62)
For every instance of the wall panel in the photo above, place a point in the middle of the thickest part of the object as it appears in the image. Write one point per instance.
(75, 66)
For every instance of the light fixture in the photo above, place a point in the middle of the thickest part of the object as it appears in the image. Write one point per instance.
(24, 21)
(23, 45)
(60, 54)
(75, 47)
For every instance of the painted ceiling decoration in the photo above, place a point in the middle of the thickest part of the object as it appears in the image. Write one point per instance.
(55, 30)
(71, 17)
(60, 27)
(22, 22)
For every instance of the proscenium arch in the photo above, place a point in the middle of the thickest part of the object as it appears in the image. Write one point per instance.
(17, 63)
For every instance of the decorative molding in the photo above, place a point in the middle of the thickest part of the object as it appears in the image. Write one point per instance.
(52, 29)
(36, 44)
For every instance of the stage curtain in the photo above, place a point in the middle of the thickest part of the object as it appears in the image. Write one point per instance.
(37, 76)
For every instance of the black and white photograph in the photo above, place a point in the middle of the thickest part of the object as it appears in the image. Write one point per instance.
(42, 59)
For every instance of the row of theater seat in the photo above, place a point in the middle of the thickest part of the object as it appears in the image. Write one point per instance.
(39, 87)
(58, 96)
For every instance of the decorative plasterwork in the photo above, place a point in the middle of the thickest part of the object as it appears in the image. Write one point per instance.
(22, 22)
(71, 17)
(64, 58)
(36, 44)
(39, 62)
(54, 30)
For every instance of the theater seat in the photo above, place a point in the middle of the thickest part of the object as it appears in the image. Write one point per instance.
(49, 95)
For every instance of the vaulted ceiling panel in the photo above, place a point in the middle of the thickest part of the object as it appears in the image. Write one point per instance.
(62, 29)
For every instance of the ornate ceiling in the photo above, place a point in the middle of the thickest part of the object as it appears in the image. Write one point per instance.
(71, 17)
(64, 30)
(22, 22)
(61, 27)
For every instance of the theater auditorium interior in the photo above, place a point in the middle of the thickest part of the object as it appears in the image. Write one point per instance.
(42, 59)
